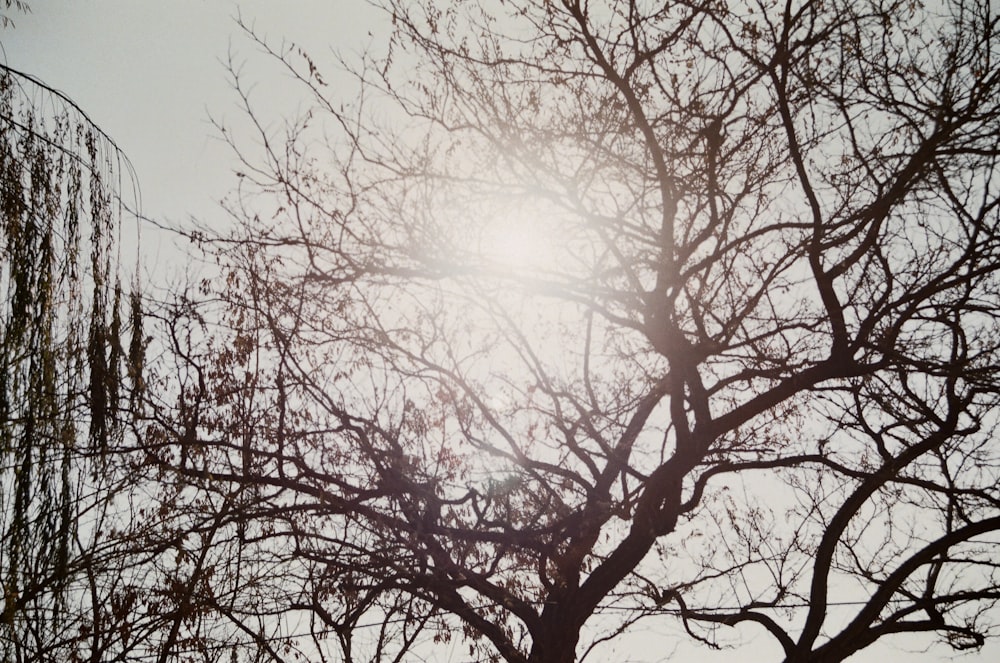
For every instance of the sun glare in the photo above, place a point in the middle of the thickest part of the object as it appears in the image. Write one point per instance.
(518, 239)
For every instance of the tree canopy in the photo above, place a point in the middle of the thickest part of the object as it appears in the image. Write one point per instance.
(571, 319)
(749, 376)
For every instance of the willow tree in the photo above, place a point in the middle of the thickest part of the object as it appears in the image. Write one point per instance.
(66, 377)
(575, 315)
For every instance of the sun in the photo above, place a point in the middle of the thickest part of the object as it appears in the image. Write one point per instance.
(521, 238)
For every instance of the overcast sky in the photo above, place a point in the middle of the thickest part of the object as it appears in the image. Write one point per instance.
(150, 73)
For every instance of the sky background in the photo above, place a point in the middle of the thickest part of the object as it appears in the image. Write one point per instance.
(152, 75)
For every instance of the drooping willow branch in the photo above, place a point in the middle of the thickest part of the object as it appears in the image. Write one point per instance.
(71, 342)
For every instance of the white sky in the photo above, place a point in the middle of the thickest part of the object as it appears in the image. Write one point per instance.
(150, 73)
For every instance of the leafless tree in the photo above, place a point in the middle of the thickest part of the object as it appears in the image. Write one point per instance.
(751, 381)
